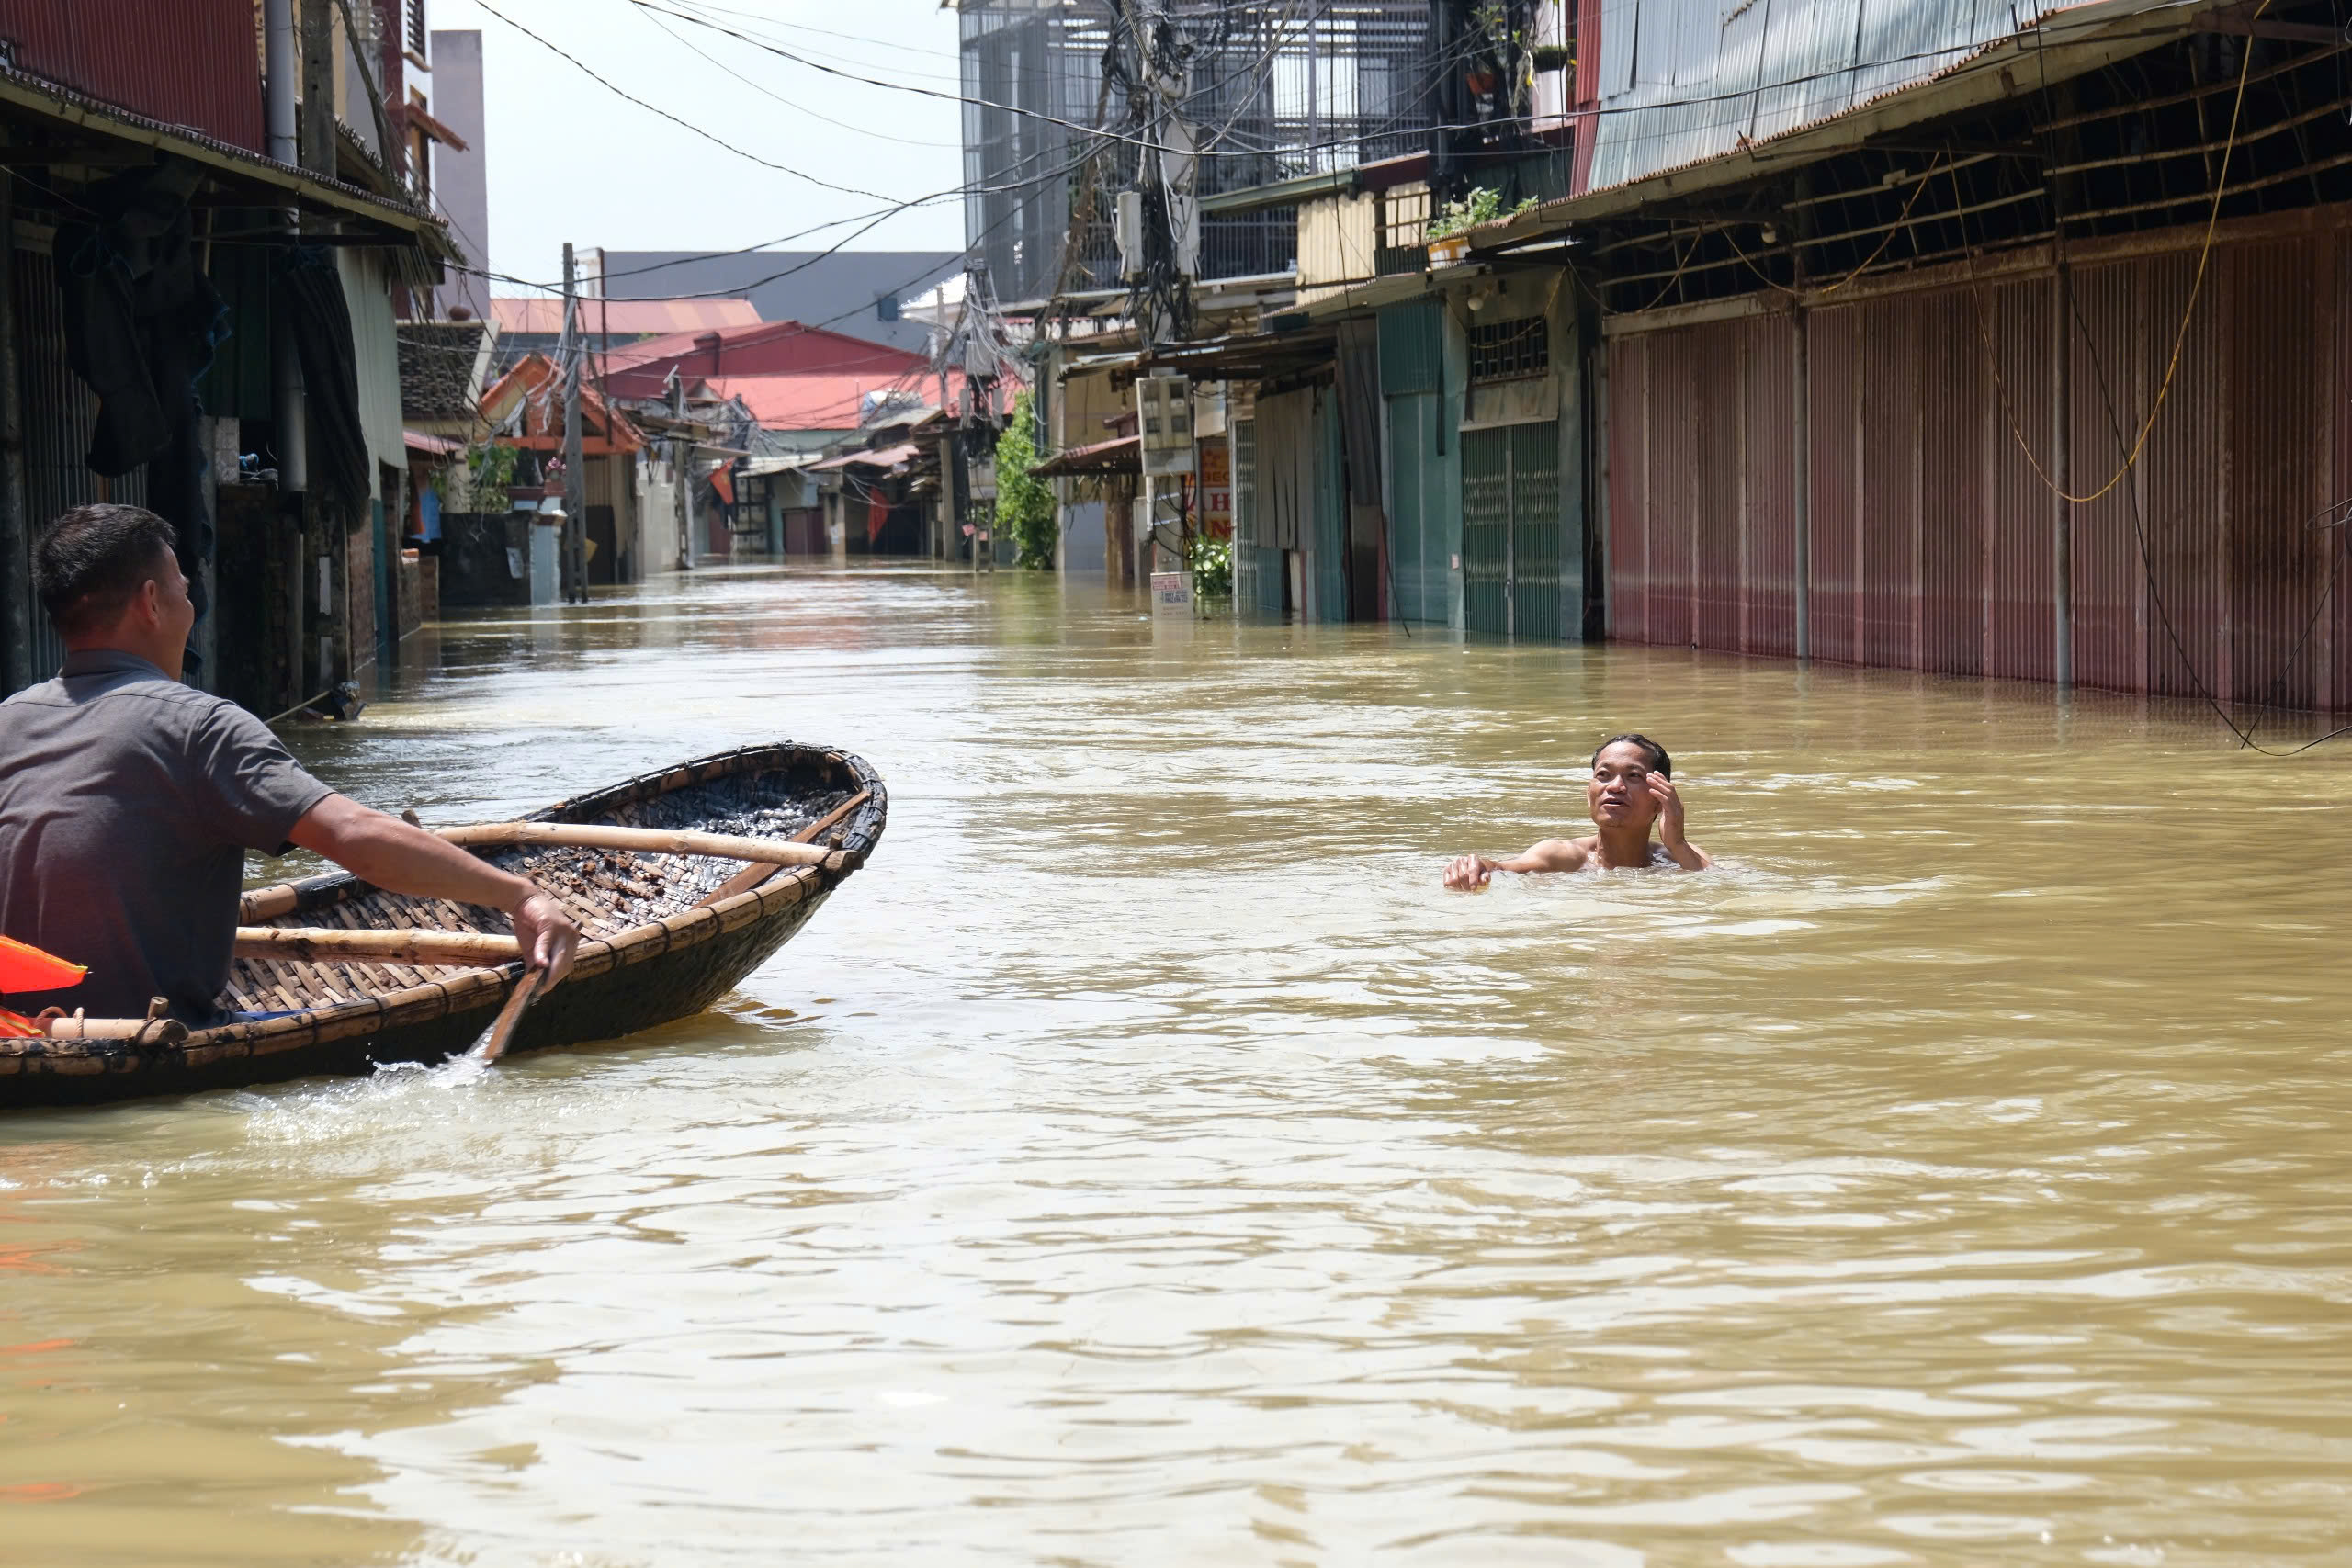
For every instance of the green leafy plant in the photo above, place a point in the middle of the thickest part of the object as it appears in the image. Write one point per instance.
(1481, 205)
(1212, 568)
(1025, 503)
(489, 470)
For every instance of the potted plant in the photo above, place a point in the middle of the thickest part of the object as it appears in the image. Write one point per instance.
(1449, 233)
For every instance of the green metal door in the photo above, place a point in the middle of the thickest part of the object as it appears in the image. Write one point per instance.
(1536, 531)
(1486, 531)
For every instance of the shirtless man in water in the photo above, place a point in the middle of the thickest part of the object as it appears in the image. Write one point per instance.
(1632, 790)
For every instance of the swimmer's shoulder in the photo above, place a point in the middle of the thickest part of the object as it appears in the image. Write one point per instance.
(1562, 854)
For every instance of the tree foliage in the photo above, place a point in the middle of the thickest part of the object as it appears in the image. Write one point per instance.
(1024, 504)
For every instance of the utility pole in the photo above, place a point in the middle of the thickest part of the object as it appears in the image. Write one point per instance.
(683, 489)
(575, 473)
(318, 86)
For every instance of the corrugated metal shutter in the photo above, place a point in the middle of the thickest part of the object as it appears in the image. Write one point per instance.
(1536, 531)
(1931, 529)
(1485, 530)
(1408, 526)
(1412, 347)
(1330, 504)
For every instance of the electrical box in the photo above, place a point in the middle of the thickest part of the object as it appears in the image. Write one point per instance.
(1164, 419)
(1126, 227)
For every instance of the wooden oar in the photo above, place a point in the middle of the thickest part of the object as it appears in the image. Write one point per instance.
(470, 949)
(750, 877)
(493, 1043)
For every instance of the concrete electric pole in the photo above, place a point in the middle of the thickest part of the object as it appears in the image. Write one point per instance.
(574, 555)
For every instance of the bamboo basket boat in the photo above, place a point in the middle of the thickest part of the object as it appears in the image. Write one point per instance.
(664, 935)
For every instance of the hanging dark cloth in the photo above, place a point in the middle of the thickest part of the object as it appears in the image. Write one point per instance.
(312, 306)
(142, 321)
(141, 317)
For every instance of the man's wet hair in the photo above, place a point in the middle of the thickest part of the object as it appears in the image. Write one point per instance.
(92, 559)
(1660, 763)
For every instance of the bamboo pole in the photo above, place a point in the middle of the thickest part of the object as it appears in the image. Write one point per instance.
(331, 944)
(650, 841)
(268, 903)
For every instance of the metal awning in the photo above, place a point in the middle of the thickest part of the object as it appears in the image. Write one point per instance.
(1121, 455)
(886, 457)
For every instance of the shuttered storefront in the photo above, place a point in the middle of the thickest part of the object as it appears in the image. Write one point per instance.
(1486, 531)
(1535, 583)
(2198, 571)
(1511, 583)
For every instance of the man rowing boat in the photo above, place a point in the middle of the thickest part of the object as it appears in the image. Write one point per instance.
(1631, 791)
(127, 800)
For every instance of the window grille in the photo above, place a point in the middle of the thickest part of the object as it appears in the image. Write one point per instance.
(416, 28)
(1501, 351)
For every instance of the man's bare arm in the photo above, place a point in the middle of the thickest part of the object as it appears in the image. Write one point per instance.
(1469, 873)
(391, 855)
(1686, 854)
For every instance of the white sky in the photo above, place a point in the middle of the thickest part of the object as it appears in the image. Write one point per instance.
(569, 160)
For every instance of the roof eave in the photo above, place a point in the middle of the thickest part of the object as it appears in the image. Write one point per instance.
(2082, 38)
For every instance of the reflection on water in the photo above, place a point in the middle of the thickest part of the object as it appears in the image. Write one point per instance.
(1144, 1161)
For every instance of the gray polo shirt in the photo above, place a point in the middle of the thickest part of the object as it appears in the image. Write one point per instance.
(127, 803)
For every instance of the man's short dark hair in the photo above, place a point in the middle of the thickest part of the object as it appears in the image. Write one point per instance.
(92, 559)
(1660, 763)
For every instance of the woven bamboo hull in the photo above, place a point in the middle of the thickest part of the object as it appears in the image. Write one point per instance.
(654, 950)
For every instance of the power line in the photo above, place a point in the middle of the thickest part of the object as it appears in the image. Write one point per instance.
(679, 121)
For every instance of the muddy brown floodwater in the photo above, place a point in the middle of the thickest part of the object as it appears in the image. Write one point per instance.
(1143, 1162)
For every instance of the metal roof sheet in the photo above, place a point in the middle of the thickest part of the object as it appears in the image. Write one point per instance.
(1684, 81)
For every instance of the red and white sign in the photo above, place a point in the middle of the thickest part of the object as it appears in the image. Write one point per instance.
(1217, 488)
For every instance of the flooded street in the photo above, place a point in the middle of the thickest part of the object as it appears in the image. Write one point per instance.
(1144, 1161)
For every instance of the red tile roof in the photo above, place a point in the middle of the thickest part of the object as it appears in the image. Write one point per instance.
(771, 349)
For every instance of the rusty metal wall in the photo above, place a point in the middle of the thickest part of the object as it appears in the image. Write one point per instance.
(1625, 600)
(2206, 569)
(1836, 589)
(1678, 439)
(193, 62)
(2013, 326)
(1768, 489)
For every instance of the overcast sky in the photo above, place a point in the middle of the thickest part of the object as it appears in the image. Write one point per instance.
(569, 160)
